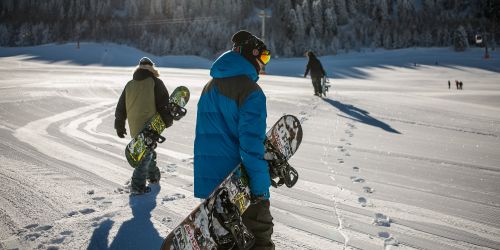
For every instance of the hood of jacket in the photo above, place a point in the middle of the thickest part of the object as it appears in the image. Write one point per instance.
(142, 73)
(232, 64)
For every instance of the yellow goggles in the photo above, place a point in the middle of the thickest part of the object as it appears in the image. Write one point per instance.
(265, 56)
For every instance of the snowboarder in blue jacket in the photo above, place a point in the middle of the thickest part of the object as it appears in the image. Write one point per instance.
(231, 128)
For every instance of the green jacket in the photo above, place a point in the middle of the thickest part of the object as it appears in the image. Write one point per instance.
(142, 97)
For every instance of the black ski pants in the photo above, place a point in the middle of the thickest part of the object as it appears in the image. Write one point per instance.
(257, 218)
(316, 81)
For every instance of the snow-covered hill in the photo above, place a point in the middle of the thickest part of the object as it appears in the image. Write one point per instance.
(392, 158)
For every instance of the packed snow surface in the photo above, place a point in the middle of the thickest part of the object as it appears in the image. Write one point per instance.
(391, 159)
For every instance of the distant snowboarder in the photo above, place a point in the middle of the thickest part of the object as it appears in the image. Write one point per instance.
(317, 72)
(449, 84)
(142, 97)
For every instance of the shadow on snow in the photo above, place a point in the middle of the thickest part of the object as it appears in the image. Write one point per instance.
(360, 115)
(136, 233)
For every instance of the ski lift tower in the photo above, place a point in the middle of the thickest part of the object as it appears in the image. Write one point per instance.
(263, 15)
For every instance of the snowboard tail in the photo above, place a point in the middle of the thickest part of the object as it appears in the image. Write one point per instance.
(281, 144)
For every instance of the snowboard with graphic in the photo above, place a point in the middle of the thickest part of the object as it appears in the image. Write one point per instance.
(217, 223)
(150, 135)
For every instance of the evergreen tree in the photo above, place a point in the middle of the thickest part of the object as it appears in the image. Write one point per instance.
(341, 11)
(460, 42)
(175, 26)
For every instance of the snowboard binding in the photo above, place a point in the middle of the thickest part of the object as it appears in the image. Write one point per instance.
(228, 216)
(285, 173)
(325, 85)
(280, 168)
(151, 138)
(176, 111)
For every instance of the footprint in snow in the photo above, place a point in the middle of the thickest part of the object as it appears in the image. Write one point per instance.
(384, 235)
(72, 213)
(342, 139)
(36, 231)
(368, 190)
(382, 220)
(121, 190)
(357, 179)
(355, 169)
(30, 226)
(86, 211)
(362, 201)
(172, 167)
(391, 241)
(388, 239)
(67, 232)
(43, 228)
(124, 189)
(32, 236)
(57, 240)
(174, 197)
(189, 161)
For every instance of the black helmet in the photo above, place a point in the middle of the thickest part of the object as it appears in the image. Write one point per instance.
(146, 61)
(248, 41)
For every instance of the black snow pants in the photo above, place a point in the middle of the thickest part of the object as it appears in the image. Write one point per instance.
(316, 81)
(257, 218)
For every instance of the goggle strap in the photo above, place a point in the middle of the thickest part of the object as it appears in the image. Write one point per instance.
(237, 49)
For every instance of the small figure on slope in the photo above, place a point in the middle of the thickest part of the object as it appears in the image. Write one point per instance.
(317, 72)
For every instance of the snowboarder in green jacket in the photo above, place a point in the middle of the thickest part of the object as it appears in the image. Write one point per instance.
(142, 97)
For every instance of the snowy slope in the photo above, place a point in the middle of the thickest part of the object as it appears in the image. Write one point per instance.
(391, 159)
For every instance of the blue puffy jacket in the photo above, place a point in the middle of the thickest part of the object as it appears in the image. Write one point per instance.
(231, 127)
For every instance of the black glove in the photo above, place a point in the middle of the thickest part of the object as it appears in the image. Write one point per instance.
(121, 133)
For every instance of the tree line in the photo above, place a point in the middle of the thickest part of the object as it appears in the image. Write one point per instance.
(204, 27)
